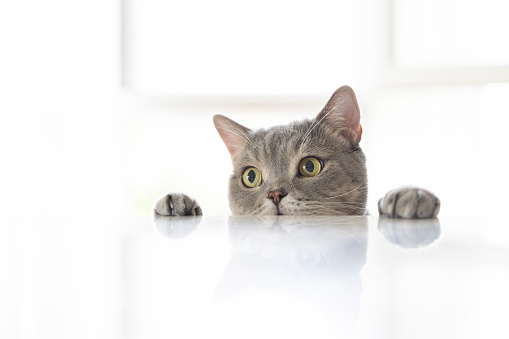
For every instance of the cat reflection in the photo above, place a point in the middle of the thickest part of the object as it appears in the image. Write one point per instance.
(176, 227)
(410, 233)
(313, 260)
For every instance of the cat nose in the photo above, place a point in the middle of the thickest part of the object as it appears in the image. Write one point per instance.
(276, 196)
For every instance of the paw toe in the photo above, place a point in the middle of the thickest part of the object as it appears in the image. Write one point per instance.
(164, 206)
(386, 205)
(177, 204)
(426, 205)
(409, 203)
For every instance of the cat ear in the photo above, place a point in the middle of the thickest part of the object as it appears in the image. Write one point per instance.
(234, 135)
(342, 113)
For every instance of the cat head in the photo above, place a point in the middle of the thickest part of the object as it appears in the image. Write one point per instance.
(310, 167)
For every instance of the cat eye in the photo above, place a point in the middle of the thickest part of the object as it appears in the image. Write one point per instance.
(309, 167)
(251, 177)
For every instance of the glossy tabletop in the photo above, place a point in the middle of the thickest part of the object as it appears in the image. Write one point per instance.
(252, 277)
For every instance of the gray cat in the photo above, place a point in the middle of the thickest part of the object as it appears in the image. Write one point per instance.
(310, 167)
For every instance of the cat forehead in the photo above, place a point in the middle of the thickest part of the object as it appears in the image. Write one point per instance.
(287, 135)
(280, 141)
(285, 144)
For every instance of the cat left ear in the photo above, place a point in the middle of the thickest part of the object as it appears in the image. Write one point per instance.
(342, 113)
(233, 134)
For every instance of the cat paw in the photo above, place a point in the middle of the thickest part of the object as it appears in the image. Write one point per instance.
(409, 203)
(410, 233)
(177, 204)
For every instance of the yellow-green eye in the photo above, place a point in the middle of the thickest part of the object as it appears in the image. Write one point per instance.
(309, 167)
(251, 177)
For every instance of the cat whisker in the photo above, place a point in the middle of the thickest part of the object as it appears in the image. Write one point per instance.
(234, 146)
(347, 203)
(358, 187)
(244, 134)
(246, 140)
(339, 104)
(311, 129)
(326, 114)
(350, 207)
(348, 210)
(330, 208)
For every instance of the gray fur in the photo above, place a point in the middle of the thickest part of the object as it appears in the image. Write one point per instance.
(177, 204)
(339, 189)
(409, 203)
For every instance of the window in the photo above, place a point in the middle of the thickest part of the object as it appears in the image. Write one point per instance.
(448, 41)
(232, 48)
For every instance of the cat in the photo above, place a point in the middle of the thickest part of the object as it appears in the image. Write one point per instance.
(311, 260)
(310, 167)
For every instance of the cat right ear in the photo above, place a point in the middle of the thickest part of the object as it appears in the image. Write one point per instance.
(342, 113)
(233, 134)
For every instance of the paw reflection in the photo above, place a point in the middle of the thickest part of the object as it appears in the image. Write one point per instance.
(410, 233)
(176, 227)
(312, 259)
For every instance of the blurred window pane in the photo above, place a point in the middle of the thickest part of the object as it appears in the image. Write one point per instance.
(443, 33)
(227, 47)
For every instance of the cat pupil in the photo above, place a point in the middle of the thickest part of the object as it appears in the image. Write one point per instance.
(251, 175)
(309, 166)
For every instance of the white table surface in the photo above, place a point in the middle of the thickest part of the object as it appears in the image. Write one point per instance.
(246, 277)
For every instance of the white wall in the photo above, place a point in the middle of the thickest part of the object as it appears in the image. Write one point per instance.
(73, 141)
(446, 139)
(59, 108)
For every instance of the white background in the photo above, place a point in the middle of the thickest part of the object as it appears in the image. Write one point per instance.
(105, 107)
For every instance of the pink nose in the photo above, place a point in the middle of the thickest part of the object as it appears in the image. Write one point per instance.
(276, 196)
